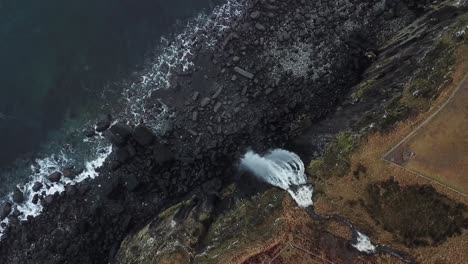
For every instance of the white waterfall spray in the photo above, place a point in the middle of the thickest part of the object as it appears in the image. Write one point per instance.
(282, 169)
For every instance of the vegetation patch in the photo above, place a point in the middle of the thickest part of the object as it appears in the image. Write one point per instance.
(336, 159)
(418, 215)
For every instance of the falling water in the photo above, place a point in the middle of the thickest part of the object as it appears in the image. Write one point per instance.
(282, 169)
(285, 170)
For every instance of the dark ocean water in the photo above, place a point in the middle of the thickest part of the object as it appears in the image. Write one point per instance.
(57, 56)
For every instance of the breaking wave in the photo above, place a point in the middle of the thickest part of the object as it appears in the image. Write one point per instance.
(175, 56)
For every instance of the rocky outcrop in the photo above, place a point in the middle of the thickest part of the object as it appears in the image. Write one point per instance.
(281, 67)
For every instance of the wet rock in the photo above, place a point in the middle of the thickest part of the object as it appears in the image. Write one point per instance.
(69, 173)
(37, 186)
(89, 132)
(48, 199)
(122, 130)
(55, 177)
(35, 198)
(5, 210)
(143, 135)
(103, 123)
(18, 196)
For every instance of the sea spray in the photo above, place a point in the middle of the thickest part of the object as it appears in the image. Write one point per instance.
(282, 169)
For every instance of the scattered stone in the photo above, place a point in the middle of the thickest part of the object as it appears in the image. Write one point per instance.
(204, 102)
(268, 91)
(191, 132)
(35, 198)
(260, 27)
(143, 135)
(217, 106)
(18, 196)
(218, 92)
(55, 176)
(37, 186)
(255, 14)
(244, 73)
(195, 96)
(194, 116)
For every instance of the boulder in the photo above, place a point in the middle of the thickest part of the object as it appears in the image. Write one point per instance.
(37, 186)
(35, 198)
(55, 176)
(103, 123)
(114, 139)
(48, 199)
(18, 196)
(121, 129)
(255, 14)
(69, 173)
(131, 182)
(204, 102)
(5, 210)
(122, 155)
(162, 154)
(143, 135)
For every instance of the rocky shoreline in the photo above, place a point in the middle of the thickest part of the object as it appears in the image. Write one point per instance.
(281, 67)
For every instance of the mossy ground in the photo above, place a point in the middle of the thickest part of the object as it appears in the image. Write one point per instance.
(336, 159)
(417, 214)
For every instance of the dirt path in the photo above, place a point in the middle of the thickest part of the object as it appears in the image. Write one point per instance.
(439, 144)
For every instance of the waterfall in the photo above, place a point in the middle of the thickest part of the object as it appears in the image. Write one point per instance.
(282, 169)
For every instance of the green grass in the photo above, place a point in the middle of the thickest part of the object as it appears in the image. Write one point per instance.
(336, 159)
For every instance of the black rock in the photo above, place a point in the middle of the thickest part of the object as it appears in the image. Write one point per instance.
(103, 123)
(5, 210)
(115, 139)
(162, 154)
(143, 135)
(70, 190)
(37, 186)
(35, 198)
(89, 132)
(122, 155)
(55, 177)
(131, 182)
(69, 173)
(18, 196)
(48, 199)
(122, 130)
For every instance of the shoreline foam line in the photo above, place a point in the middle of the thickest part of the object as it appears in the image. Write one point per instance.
(204, 29)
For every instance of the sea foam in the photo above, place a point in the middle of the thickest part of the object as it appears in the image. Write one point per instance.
(173, 57)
